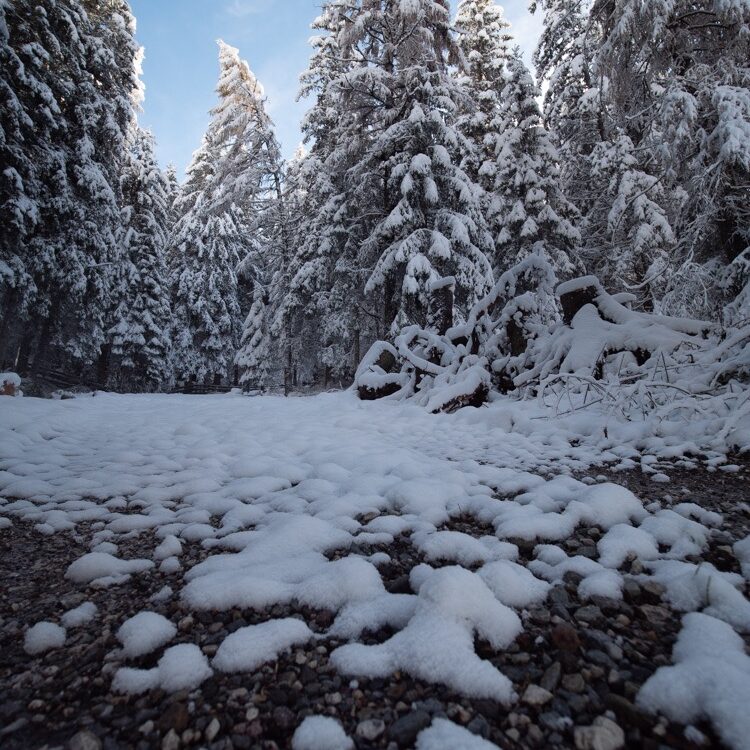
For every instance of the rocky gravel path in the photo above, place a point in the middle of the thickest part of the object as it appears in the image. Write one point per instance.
(577, 666)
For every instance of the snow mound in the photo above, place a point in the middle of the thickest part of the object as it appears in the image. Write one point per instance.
(437, 644)
(514, 585)
(144, 633)
(81, 615)
(742, 553)
(42, 637)
(710, 679)
(553, 510)
(462, 548)
(692, 587)
(182, 667)
(249, 647)
(443, 734)
(623, 540)
(169, 547)
(321, 733)
(95, 566)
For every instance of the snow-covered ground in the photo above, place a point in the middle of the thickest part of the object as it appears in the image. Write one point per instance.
(287, 496)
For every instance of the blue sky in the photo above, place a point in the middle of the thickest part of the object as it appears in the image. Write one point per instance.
(181, 63)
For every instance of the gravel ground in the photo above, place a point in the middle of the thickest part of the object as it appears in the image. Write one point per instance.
(573, 662)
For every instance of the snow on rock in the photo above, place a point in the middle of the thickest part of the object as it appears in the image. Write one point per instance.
(692, 587)
(10, 384)
(606, 583)
(552, 564)
(443, 734)
(437, 644)
(144, 633)
(321, 733)
(169, 547)
(170, 565)
(514, 585)
(710, 679)
(623, 540)
(249, 647)
(80, 615)
(387, 609)
(742, 553)
(42, 637)
(101, 565)
(462, 548)
(553, 510)
(5, 523)
(181, 667)
(682, 535)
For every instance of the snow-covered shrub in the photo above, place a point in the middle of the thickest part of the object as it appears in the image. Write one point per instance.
(574, 345)
(461, 367)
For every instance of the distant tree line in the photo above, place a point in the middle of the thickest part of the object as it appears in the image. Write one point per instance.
(430, 154)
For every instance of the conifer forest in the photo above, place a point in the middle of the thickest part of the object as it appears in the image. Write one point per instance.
(433, 433)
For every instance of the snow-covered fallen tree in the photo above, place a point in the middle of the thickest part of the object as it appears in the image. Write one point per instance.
(572, 344)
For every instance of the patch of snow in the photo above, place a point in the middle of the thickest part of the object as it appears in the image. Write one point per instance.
(741, 551)
(710, 679)
(144, 633)
(81, 615)
(437, 644)
(169, 547)
(443, 734)
(181, 667)
(321, 733)
(42, 637)
(622, 541)
(249, 647)
(692, 587)
(514, 585)
(97, 565)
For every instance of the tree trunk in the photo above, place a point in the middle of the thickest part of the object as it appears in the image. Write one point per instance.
(357, 344)
(45, 337)
(288, 368)
(102, 365)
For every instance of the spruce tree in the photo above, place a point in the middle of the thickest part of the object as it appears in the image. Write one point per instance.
(425, 218)
(140, 343)
(225, 222)
(529, 212)
(253, 357)
(319, 311)
(60, 194)
(484, 40)
(173, 193)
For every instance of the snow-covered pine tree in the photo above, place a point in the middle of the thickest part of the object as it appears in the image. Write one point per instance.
(424, 214)
(61, 191)
(139, 333)
(206, 248)
(320, 310)
(529, 212)
(220, 229)
(253, 174)
(629, 212)
(677, 85)
(484, 40)
(573, 108)
(173, 193)
(254, 355)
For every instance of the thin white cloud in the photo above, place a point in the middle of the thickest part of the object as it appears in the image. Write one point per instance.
(243, 8)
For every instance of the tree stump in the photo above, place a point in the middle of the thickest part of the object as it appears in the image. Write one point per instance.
(576, 293)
